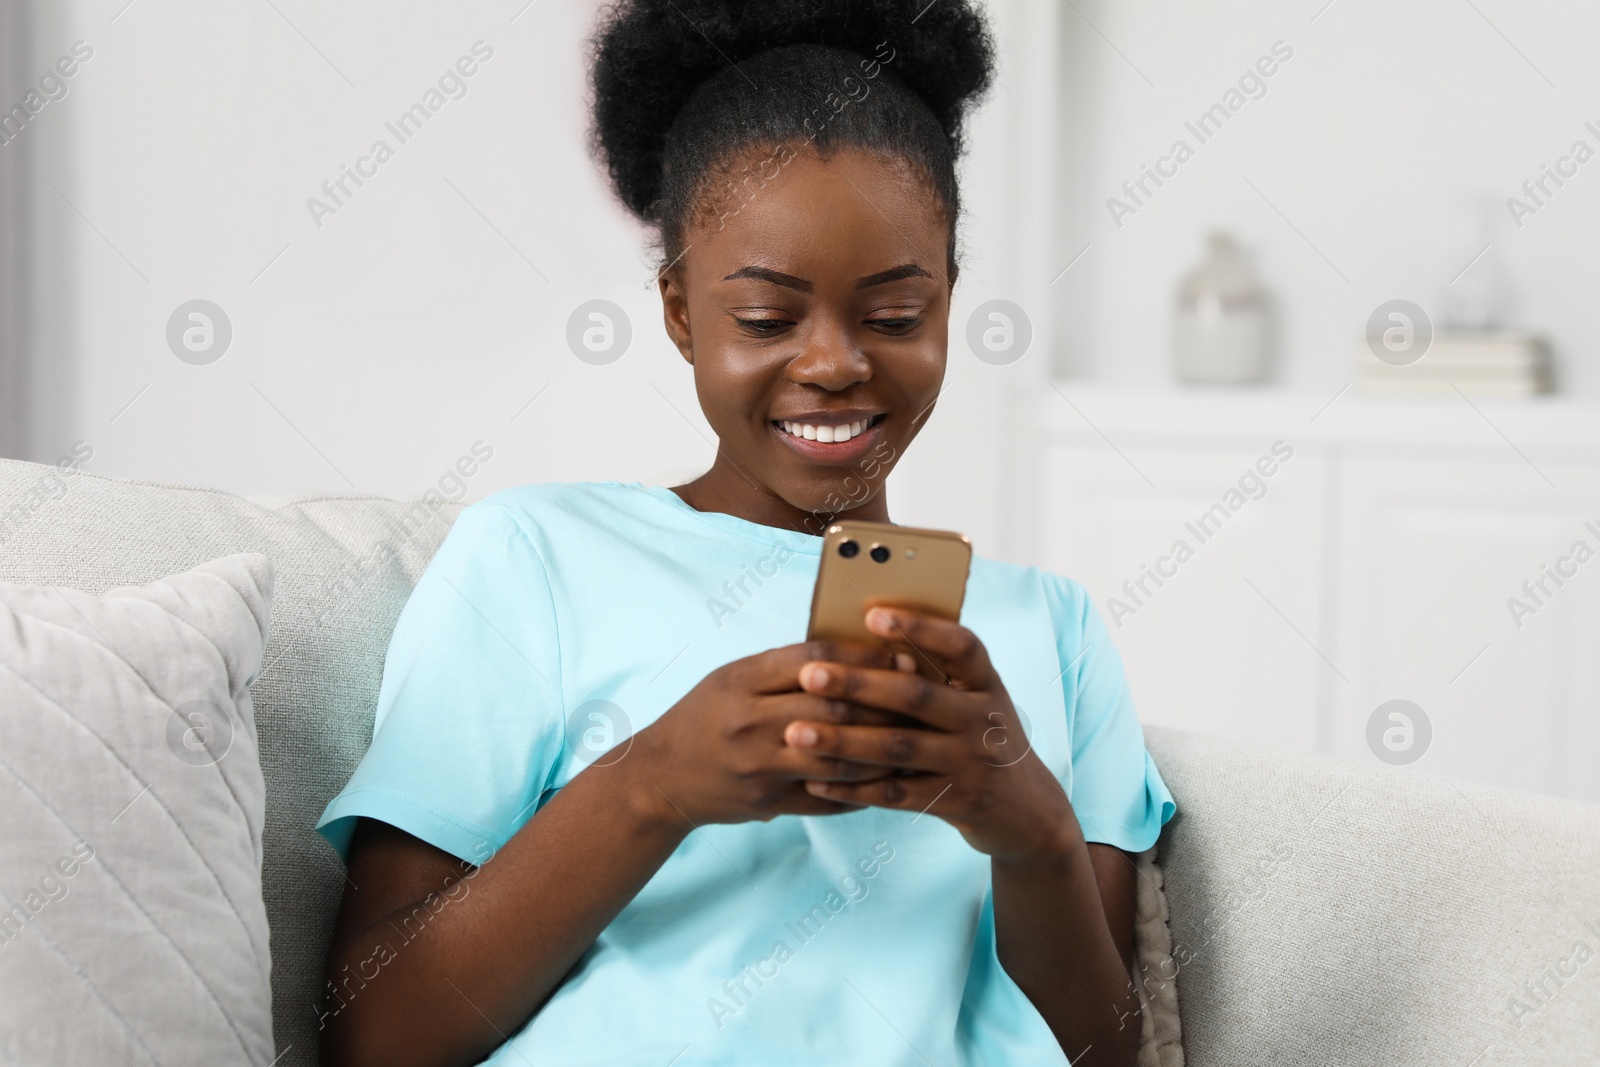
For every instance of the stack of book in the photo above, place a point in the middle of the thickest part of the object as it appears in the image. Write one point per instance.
(1498, 363)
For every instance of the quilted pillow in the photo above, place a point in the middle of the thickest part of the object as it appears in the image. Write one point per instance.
(132, 928)
(1156, 972)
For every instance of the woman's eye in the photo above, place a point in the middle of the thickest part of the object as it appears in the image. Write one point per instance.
(902, 324)
(761, 326)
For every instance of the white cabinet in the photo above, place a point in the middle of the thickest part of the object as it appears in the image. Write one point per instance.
(1375, 564)
(1191, 591)
(1431, 552)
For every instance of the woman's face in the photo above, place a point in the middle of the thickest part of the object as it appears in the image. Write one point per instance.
(815, 314)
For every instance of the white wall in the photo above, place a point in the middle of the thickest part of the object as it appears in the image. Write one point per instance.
(371, 351)
(1388, 117)
(397, 333)
(432, 307)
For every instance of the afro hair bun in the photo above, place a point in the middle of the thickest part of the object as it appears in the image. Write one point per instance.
(649, 56)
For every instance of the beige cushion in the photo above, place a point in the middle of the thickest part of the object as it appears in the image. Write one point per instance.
(344, 567)
(1324, 914)
(131, 810)
(1155, 970)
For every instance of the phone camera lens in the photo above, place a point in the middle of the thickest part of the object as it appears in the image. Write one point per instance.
(847, 549)
(879, 553)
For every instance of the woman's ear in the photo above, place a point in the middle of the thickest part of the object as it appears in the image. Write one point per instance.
(675, 313)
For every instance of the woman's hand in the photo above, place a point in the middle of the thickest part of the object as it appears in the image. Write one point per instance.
(972, 767)
(718, 755)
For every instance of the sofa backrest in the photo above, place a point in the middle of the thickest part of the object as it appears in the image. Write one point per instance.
(344, 566)
(1320, 913)
(1330, 914)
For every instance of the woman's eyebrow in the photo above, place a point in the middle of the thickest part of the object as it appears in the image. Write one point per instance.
(893, 274)
(789, 281)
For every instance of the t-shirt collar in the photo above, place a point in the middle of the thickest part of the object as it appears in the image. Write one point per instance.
(794, 540)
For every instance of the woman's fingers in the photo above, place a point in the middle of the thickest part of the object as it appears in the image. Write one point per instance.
(804, 802)
(784, 708)
(958, 648)
(774, 671)
(940, 706)
(825, 745)
(912, 792)
(805, 767)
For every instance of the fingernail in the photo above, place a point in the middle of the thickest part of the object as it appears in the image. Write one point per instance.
(800, 735)
(814, 675)
(878, 620)
(816, 788)
(904, 662)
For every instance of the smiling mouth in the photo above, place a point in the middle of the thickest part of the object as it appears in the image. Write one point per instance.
(828, 434)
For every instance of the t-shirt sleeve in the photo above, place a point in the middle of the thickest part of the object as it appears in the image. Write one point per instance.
(469, 720)
(1116, 792)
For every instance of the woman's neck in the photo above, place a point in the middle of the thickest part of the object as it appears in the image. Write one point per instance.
(730, 490)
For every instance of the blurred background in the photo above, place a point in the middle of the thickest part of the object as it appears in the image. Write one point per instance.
(1274, 327)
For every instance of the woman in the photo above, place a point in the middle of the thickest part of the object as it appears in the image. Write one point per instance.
(713, 844)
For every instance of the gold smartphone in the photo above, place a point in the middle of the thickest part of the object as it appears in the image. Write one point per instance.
(885, 565)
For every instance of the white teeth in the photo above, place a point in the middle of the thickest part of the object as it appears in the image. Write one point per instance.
(826, 434)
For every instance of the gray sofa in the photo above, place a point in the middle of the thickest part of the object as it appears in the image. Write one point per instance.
(1320, 914)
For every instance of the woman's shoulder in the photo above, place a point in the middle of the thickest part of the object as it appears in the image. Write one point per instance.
(543, 505)
(1018, 578)
(548, 515)
(1013, 586)
(565, 495)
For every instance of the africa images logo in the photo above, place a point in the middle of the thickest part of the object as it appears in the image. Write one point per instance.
(53, 87)
(1251, 85)
(452, 85)
(852, 887)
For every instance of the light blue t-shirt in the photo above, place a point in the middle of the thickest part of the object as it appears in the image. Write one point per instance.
(555, 620)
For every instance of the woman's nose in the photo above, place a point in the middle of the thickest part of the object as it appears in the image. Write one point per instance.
(832, 359)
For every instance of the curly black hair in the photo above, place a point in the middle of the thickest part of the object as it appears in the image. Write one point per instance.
(680, 89)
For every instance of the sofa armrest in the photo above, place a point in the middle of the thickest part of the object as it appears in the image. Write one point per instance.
(1325, 914)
